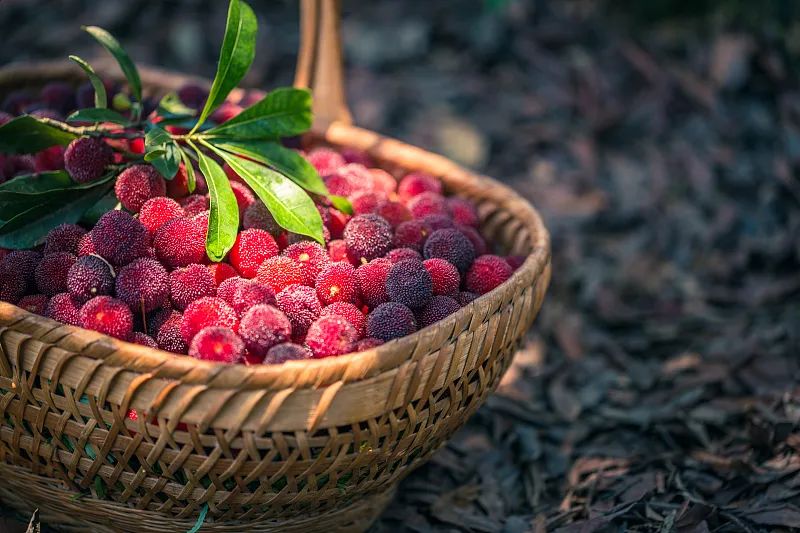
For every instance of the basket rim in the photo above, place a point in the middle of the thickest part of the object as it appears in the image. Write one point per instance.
(295, 374)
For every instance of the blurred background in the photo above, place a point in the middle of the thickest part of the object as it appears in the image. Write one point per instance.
(661, 141)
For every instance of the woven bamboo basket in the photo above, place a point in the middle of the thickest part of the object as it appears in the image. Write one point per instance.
(306, 446)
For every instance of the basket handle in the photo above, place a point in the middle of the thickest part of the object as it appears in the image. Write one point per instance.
(319, 60)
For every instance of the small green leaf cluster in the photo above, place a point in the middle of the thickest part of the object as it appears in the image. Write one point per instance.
(249, 143)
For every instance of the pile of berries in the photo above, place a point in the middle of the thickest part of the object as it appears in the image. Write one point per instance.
(406, 258)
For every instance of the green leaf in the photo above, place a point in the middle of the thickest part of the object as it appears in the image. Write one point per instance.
(235, 56)
(191, 182)
(341, 203)
(292, 208)
(100, 98)
(286, 161)
(171, 106)
(223, 220)
(27, 135)
(37, 183)
(282, 113)
(119, 53)
(108, 202)
(98, 114)
(30, 227)
(161, 151)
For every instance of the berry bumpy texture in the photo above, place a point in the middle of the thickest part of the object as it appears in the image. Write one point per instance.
(371, 279)
(367, 237)
(86, 159)
(169, 336)
(486, 273)
(119, 238)
(34, 303)
(107, 315)
(287, 351)
(138, 184)
(143, 339)
(65, 308)
(337, 283)
(438, 308)
(411, 234)
(444, 275)
(143, 285)
(190, 283)
(409, 283)
(279, 272)
(262, 327)
(64, 238)
(301, 305)
(311, 257)
(90, 276)
(218, 344)
(52, 272)
(349, 312)
(452, 246)
(252, 247)
(205, 312)
(399, 254)
(330, 335)
(181, 242)
(242, 294)
(156, 212)
(416, 183)
(391, 320)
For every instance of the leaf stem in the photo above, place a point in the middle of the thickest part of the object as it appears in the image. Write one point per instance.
(91, 131)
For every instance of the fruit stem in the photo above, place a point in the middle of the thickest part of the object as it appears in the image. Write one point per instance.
(90, 131)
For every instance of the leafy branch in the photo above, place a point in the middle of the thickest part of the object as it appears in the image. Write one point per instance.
(249, 143)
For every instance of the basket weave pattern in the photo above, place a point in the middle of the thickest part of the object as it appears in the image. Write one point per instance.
(316, 445)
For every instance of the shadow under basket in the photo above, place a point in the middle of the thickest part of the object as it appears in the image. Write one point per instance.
(306, 446)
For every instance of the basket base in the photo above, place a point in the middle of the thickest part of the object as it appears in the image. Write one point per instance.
(61, 510)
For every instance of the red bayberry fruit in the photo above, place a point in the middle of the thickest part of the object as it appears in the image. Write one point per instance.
(394, 213)
(244, 196)
(64, 238)
(409, 283)
(169, 336)
(310, 256)
(34, 303)
(391, 320)
(143, 285)
(137, 184)
(107, 315)
(301, 306)
(416, 183)
(251, 249)
(463, 211)
(438, 308)
(156, 212)
(279, 272)
(427, 203)
(257, 216)
(205, 312)
(411, 234)
(217, 344)
(90, 276)
(371, 280)
(330, 335)
(287, 351)
(49, 159)
(475, 238)
(337, 251)
(143, 339)
(444, 275)
(349, 312)
(181, 242)
(221, 272)
(52, 272)
(399, 254)
(366, 344)
(486, 273)
(119, 238)
(367, 237)
(65, 308)
(262, 327)
(86, 159)
(337, 283)
(195, 204)
(452, 246)
(242, 294)
(325, 160)
(190, 283)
